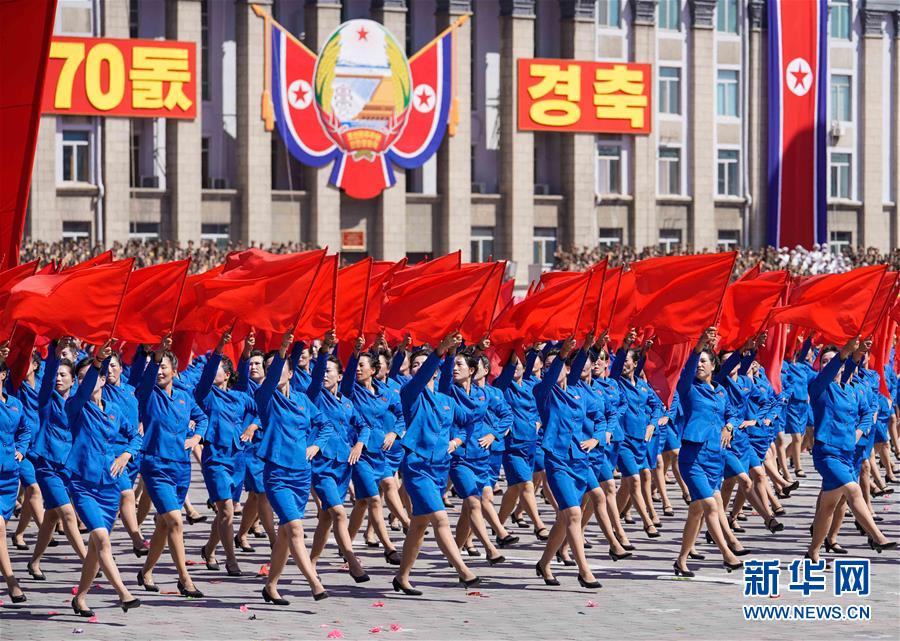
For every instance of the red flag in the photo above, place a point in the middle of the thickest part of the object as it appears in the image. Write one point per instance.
(318, 312)
(880, 305)
(82, 303)
(663, 367)
(622, 307)
(751, 273)
(746, 307)
(100, 259)
(505, 299)
(9, 279)
(191, 315)
(352, 300)
(589, 313)
(430, 307)
(151, 302)
(771, 355)
(882, 341)
(447, 263)
(25, 30)
(680, 296)
(382, 278)
(836, 305)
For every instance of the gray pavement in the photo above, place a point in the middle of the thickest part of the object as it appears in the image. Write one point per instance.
(640, 597)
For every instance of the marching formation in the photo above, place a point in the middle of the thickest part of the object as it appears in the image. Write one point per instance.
(388, 393)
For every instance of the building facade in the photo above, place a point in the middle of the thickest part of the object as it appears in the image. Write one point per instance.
(697, 180)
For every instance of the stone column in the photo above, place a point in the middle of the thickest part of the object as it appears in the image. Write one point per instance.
(453, 226)
(872, 226)
(254, 143)
(116, 152)
(516, 228)
(324, 228)
(44, 221)
(643, 225)
(580, 225)
(184, 137)
(702, 107)
(895, 71)
(389, 228)
(757, 152)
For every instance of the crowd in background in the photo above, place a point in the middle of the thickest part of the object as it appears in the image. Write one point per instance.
(207, 254)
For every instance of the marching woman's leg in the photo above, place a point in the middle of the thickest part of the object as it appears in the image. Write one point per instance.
(12, 584)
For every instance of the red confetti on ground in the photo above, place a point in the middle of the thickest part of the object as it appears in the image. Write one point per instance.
(374, 630)
(591, 604)
(168, 592)
(74, 590)
(478, 594)
(244, 608)
(190, 562)
(396, 627)
(335, 634)
(263, 570)
(94, 619)
(51, 613)
(378, 604)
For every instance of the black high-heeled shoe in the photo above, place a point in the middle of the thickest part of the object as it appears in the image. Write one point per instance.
(139, 552)
(210, 565)
(590, 585)
(733, 566)
(651, 535)
(668, 511)
(233, 571)
(37, 576)
(362, 578)
(149, 587)
(679, 571)
(859, 528)
(372, 544)
(18, 598)
(200, 518)
(879, 547)
(398, 587)
(520, 521)
(741, 516)
(773, 526)
(392, 557)
(743, 552)
(507, 541)
(496, 560)
(709, 538)
(470, 583)
(696, 556)
(268, 598)
(79, 611)
(539, 535)
(129, 605)
(737, 529)
(471, 550)
(588, 545)
(618, 557)
(244, 547)
(834, 547)
(628, 547)
(564, 561)
(540, 572)
(193, 594)
(627, 519)
(321, 595)
(779, 512)
(16, 544)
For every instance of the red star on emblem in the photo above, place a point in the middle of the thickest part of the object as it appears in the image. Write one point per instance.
(363, 34)
(423, 97)
(799, 78)
(299, 94)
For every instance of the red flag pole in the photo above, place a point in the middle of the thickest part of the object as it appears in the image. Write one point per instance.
(722, 297)
(365, 309)
(612, 311)
(583, 299)
(475, 300)
(180, 293)
(306, 296)
(600, 296)
(334, 279)
(121, 300)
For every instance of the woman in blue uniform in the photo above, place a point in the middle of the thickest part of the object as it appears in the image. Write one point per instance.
(15, 434)
(294, 432)
(376, 405)
(708, 426)
(430, 417)
(227, 410)
(838, 414)
(167, 412)
(48, 452)
(332, 468)
(563, 413)
(638, 422)
(95, 461)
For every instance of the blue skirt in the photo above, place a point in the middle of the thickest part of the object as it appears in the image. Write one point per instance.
(654, 447)
(393, 458)
(52, 479)
(701, 468)
(125, 480)
(253, 475)
(470, 477)
(9, 490)
(599, 460)
(673, 438)
(881, 430)
(26, 472)
(760, 444)
(330, 480)
(220, 472)
(496, 462)
(97, 505)
(518, 464)
(539, 459)
(568, 479)
(166, 481)
(632, 456)
(834, 465)
(425, 481)
(287, 490)
(367, 474)
(795, 417)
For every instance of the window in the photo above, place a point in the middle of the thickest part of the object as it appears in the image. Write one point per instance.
(727, 16)
(608, 12)
(544, 246)
(76, 154)
(482, 243)
(839, 240)
(134, 19)
(204, 49)
(727, 93)
(143, 231)
(840, 175)
(76, 230)
(841, 107)
(839, 15)
(728, 239)
(669, 240)
(219, 233)
(670, 14)
(609, 168)
(727, 173)
(669, 90)
(669, 170)
(74, 18)
(609, 237)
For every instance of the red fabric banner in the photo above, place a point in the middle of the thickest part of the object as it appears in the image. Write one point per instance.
(746, 307)
(151, 302)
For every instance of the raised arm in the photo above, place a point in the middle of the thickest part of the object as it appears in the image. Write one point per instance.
(505, 378)
(48, 381)
(733, 359)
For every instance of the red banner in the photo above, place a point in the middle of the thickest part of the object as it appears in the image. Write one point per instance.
(112, 77)
(585, 96)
